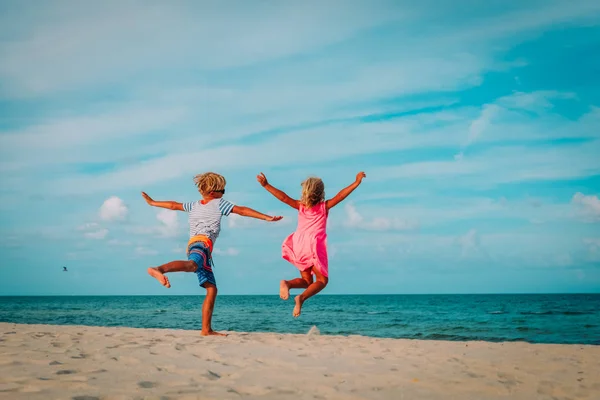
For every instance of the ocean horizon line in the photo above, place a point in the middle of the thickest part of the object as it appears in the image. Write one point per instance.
(320, 295)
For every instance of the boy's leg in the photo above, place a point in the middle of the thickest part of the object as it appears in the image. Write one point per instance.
(298, 283)
(173, 266)
(207, 310)
(310, 291)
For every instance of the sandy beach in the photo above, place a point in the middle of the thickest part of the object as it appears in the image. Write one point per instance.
(85, 363)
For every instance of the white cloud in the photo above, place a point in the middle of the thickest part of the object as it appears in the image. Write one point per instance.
(169, 222)
(587, 206)
(592, 241)
(509, 108)
(237, 221)
(87, 226)
(118, 242)
(477, 127)
(355, 220)
(179, 250)
(99, 234)
(168, 226)
(113, 209)
(499, 165)
(469, 242)
(593, 246)
(564, 260)
(230, 251)
(145, 251)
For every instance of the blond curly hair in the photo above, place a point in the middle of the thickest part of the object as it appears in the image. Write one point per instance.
(209, 182)
(313, 192)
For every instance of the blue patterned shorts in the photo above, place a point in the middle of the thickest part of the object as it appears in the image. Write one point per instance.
(199, 253)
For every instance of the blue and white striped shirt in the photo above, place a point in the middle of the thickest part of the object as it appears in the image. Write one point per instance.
(205, 219)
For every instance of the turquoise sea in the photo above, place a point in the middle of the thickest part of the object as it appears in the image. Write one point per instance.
(552, 318)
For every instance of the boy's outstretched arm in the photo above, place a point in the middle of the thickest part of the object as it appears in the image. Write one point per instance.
(171, 205)
(280, 195)
(345, 192)
(248, 212)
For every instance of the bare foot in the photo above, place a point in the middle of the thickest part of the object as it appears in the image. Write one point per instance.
(284, 290)
(159, 276)
(298, 309)
(212, 333)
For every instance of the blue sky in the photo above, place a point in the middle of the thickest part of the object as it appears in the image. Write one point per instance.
(477, 123)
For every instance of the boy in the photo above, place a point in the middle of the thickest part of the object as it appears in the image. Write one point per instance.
(204, 218)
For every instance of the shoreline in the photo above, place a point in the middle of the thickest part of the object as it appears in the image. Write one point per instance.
(332, 335)
(67, 361)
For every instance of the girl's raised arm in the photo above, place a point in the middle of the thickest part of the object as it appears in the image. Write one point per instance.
(280, 195)
(345, 192)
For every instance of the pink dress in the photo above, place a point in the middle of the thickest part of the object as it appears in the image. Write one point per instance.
(307, 247)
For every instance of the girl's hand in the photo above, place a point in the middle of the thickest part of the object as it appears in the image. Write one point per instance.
(273, 219)
(147, 198)
(360, 176)
(262, 179)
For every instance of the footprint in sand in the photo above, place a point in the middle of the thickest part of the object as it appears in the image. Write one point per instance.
(85, 398)
(66, 372)
(212, 375)
(55, 363)
(146, 384)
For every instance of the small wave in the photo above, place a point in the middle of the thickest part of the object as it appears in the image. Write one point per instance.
(497, 312)
(551, 312)
(159, 311)
(395, 325)
(522, 328)
(377, 312)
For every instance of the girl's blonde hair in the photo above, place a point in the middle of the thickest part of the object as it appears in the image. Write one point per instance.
(209, 182)
(313, 192)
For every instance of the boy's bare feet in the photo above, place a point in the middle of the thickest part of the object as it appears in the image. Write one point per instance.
(212, 333)
(284, 290)
(298, 309)
(159, 276)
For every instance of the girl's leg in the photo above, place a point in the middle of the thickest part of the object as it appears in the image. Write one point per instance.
(298, 283)
(313, 289)
(173, 266)
(207, 310)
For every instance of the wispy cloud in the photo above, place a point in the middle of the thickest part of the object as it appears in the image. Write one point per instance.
(587, 207)
(99, 234)
(380, 223)
(230, 251)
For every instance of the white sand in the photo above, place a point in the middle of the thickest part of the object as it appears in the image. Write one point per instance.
(78, 362)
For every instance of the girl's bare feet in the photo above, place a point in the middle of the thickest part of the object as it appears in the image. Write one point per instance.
(298, 309)
(284, 290)
(159, 276)
(212, 333)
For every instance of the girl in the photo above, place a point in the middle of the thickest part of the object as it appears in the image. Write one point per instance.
(306, 248)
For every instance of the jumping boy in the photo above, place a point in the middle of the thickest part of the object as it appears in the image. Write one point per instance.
(204, 218)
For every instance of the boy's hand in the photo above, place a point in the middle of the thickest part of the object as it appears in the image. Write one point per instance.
(273, 219)
(262, 179)
(147, 198)
(360, 176)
